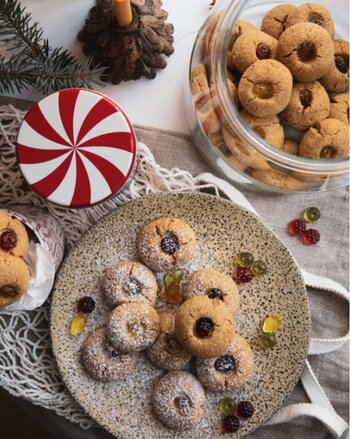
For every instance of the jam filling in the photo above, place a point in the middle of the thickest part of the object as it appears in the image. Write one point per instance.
(342, 63)
(8, 291)
(260, 131)
(215, 293)
(328, 153)
(263, 51)
(316, 19)
(204, 327)
(307, 51)
(172, 346)
(306, 98)
(183, 403)
(8, 240)
(132, 287)
(263, 90)
(169, 244)
(225, 364)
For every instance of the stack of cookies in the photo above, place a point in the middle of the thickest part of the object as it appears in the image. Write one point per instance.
(290, 82)
(199, 336)
(14, 273)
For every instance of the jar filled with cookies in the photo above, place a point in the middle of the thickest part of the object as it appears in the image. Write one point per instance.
(269, 86)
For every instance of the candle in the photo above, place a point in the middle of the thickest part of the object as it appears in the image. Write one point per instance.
(123, 12)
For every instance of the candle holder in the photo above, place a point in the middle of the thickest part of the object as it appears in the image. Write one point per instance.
(128, 51)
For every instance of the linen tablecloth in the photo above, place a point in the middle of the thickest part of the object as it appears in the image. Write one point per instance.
(329, 258)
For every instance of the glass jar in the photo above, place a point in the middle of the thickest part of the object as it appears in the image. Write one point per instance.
(236, 151)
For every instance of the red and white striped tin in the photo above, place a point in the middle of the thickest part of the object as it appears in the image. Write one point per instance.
(76, 148)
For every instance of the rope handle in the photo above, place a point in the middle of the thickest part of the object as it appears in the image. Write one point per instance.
(323, 345)
(320, 406)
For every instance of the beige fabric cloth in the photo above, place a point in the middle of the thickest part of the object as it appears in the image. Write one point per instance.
(329, 258)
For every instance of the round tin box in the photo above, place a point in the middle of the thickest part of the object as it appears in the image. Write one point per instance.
(76, 148)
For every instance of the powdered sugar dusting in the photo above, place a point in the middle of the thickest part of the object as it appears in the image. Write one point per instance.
(129, 281)
(133, 326)
(104, 362)
(178, 400)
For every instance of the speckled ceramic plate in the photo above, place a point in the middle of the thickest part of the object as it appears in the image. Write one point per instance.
(223, 229)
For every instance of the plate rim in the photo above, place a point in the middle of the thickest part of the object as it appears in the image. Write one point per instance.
(101, 422)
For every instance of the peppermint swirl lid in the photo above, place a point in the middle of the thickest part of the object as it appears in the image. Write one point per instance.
(76, 148)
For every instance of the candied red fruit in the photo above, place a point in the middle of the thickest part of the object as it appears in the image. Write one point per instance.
(297, 227)
(311, 237)
(245, 409)
(243, 275)
(8, 240)
(86, 305)
(230, 424)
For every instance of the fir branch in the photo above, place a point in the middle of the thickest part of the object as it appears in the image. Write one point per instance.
(33, 61)
(16, 28)
(17, 74)
(12, 75)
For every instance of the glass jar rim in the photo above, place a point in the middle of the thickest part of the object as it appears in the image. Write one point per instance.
(230, 111)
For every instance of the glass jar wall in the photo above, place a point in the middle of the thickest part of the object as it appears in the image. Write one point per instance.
(228, 137)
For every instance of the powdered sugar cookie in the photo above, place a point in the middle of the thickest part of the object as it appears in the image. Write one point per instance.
(166, 352)
(229, 371)
(129, 281)
(178, 400)
(103, 361)
(133, 326)
(166, 243)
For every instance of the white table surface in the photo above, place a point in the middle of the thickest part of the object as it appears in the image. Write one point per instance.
(157, 103)
(160, 102)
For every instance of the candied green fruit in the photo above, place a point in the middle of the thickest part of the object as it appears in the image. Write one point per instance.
(174, 277)
(245, 259)
(227, 406)
(268, 340)
(259, 268)
(311, 214)
(263, 90)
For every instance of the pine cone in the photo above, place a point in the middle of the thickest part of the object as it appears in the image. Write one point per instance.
(128, 52)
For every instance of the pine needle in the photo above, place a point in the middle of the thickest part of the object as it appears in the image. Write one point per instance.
(33, 62)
